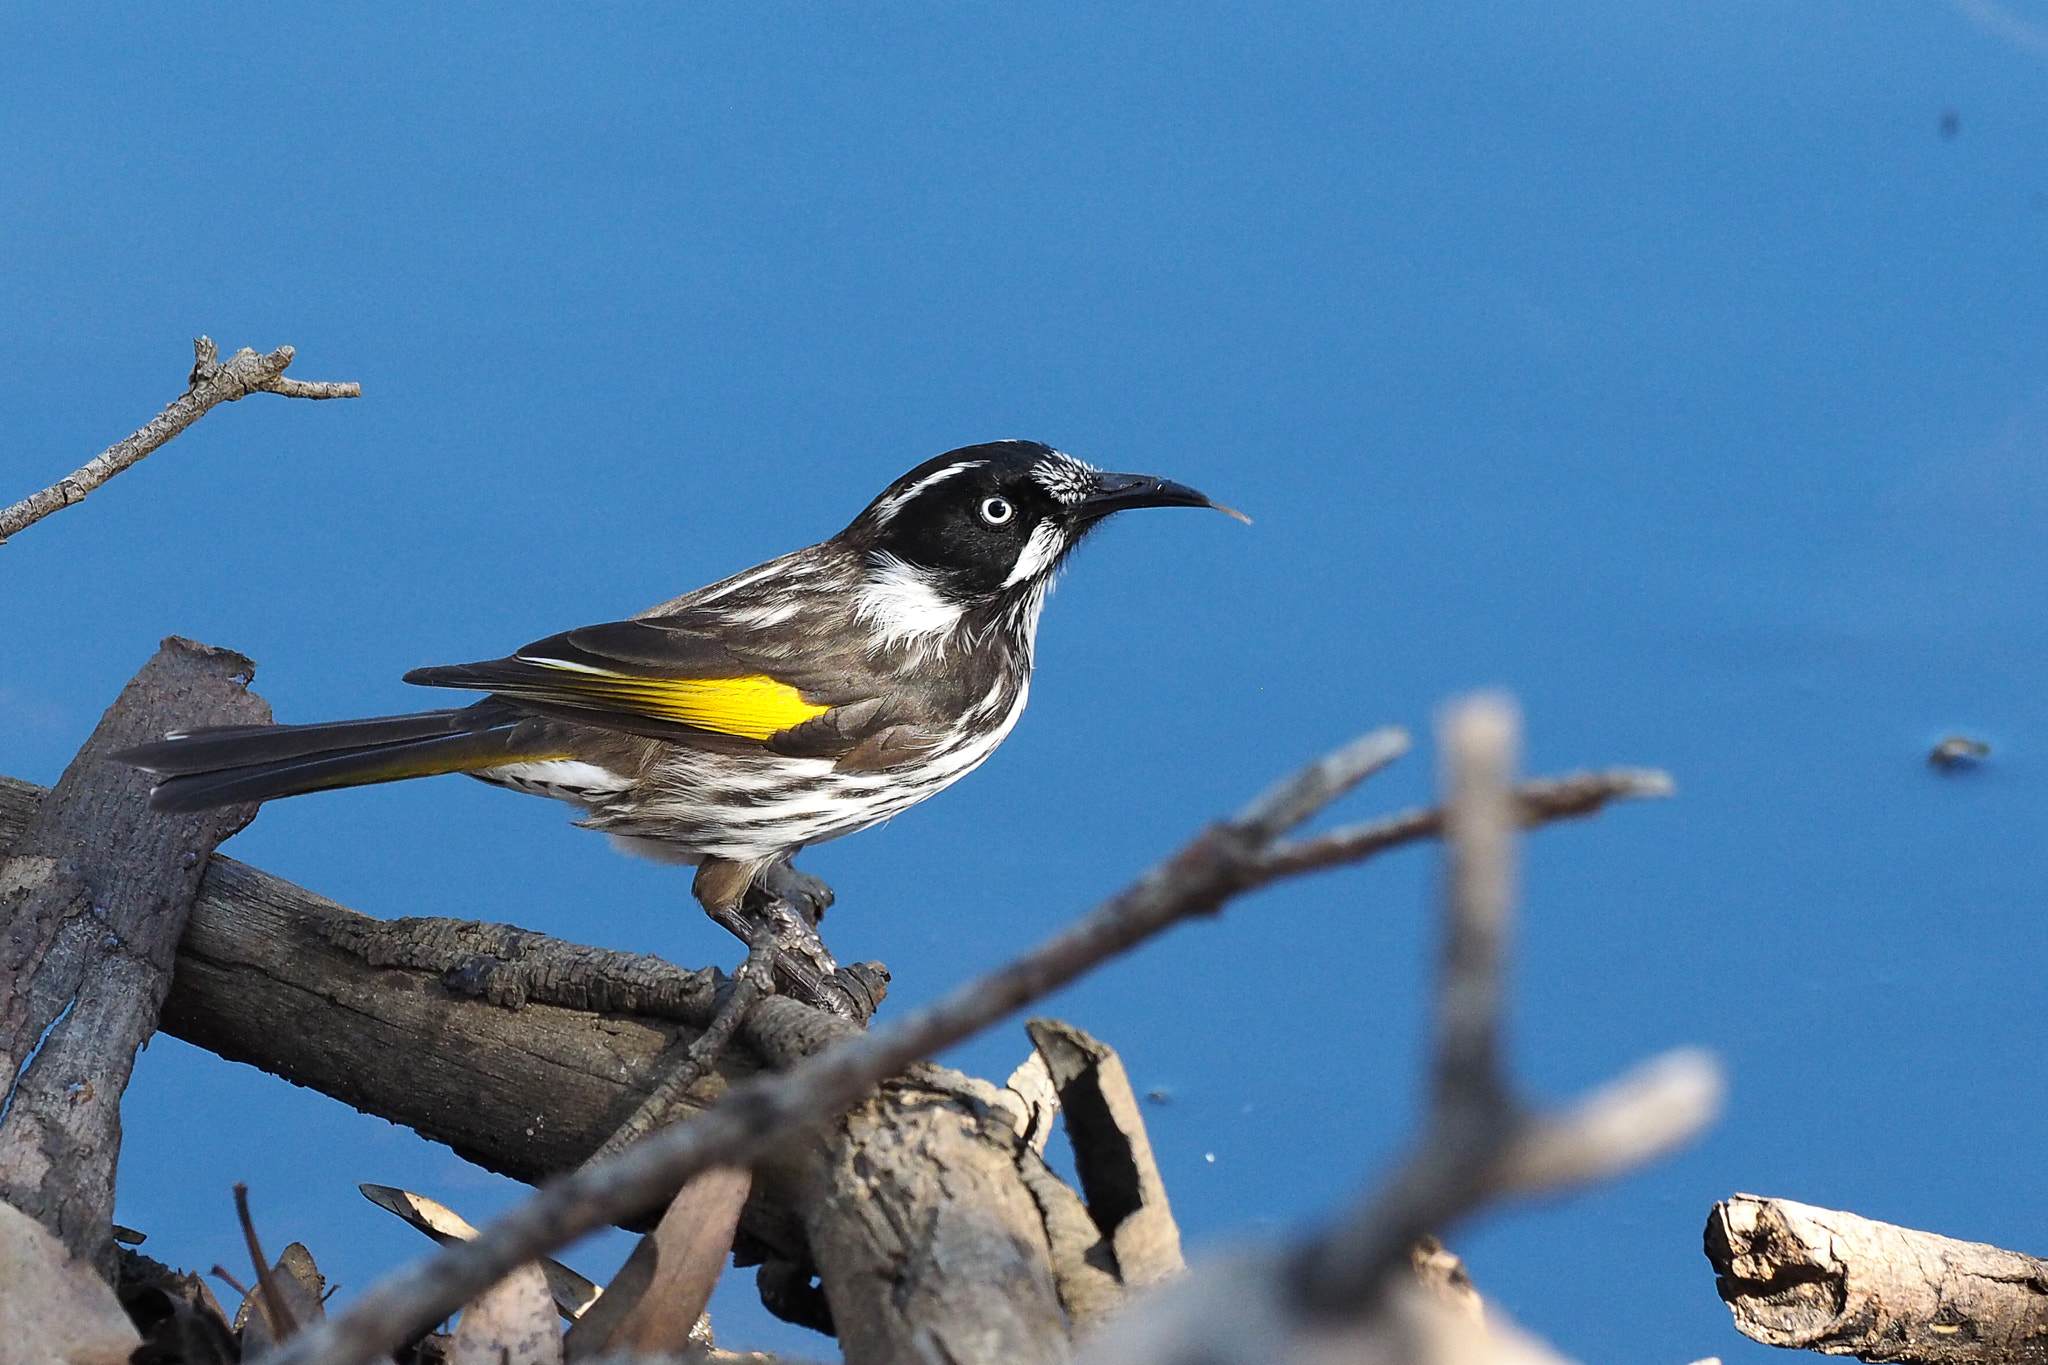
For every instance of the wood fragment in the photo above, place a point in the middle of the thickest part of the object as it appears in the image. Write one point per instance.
(95, 891)
(1112, 1153)
(1822, 1280)
(297, 1284)
(277, 1319)
(1036, 1101)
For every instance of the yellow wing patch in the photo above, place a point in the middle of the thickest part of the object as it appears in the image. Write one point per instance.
(753, 707)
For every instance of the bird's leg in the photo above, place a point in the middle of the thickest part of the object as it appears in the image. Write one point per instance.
(809, 895)
(733, 895)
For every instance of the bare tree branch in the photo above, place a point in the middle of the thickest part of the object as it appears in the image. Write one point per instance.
(1819, 1280)
(212, 381)
(1222, 862)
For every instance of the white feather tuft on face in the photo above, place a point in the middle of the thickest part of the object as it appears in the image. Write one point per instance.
(904, 605)
(887, 508)
(1067, 479)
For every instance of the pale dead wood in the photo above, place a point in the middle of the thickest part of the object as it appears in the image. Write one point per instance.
(929, 1245)
(1822, 1280)
(1339, 1297)
(753, 1117)
(94, 896)
(212, 381)
(1439, 1270)
(511, 1323)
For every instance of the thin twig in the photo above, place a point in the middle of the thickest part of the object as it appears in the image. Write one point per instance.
(212, 381)
(1539, 802)
(268, 1296)
(1222, 862)
(754, 979)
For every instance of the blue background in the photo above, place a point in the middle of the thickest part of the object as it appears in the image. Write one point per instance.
(1663, 362)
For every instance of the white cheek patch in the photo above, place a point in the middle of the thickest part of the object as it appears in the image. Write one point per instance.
(1040, 553)
(904, 605)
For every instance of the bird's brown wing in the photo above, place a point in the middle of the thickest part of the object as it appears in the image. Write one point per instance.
(658, 677)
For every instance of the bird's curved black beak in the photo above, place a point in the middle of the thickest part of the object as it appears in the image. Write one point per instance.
(1121, 492)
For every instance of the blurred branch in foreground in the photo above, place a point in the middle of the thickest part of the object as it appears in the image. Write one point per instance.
(212, 381)
(1338, 1297)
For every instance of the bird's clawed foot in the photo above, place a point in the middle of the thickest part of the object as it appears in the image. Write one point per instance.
(807, 895)
(787, 904)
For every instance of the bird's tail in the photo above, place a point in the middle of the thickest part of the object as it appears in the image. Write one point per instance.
(198, 769)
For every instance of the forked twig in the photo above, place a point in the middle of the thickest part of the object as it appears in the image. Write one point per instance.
(1224, 861)
(212, 381)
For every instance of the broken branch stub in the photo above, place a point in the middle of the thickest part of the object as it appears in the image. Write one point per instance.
(1821, 1280)
(94, 896)
(1112, 1153)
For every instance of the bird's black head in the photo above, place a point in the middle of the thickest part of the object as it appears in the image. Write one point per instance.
(994, 520)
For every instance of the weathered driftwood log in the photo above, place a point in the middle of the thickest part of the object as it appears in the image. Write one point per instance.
(94, 895)
(1819, 1280)
(523, 1053)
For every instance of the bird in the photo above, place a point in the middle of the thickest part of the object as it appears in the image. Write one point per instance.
(801, 700)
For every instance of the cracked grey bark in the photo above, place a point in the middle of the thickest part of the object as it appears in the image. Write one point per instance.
(931, 1246)
(94, 895)
(1821, 1280)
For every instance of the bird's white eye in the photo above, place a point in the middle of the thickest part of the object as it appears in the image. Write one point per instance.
(996, 511)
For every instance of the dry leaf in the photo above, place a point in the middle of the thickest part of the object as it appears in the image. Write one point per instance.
(573, 1293)
(654, 1302)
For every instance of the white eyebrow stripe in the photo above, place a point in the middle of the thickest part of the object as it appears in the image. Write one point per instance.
(886, 510)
